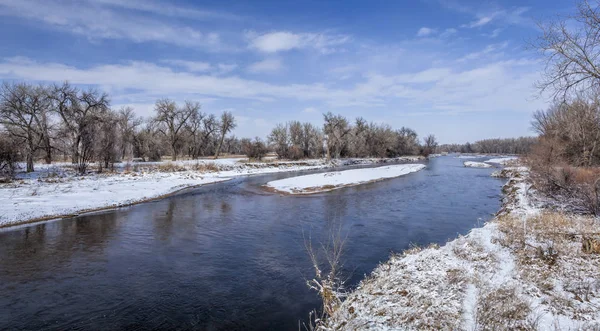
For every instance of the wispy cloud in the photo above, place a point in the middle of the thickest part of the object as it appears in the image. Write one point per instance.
(425, 31)
(281, 41)
(495, 86)
(163, 8)
(479, 22)
(96, 21)
(266, 66)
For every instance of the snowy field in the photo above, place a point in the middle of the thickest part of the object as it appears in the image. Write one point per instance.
(56, 190)
(525, 270)
(334, 180)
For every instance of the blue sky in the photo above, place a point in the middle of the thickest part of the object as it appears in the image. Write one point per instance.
(457, 69)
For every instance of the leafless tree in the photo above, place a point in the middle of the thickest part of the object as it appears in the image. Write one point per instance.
(79, 111)
(571, 46)
(336, 130)
(8, 156)
(107, 149)
(279, 139)
(147, 144)
(171, 120)
(429, 145)
(227, 124)
(23, 110)
(254, 149)
(127, 122)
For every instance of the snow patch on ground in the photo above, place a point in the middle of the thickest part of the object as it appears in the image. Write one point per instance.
(473, 164)
(334, 180)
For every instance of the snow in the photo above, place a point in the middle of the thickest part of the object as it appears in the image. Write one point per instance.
(471, 156)
(37, 199)
(56, 190)
(487, 279)
(338, 179)
(472, 164)
(502, 160)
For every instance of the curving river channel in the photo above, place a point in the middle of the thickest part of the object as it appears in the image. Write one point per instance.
(224, 256)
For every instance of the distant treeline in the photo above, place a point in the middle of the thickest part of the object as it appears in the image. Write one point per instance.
(521, 145)
(341, 138)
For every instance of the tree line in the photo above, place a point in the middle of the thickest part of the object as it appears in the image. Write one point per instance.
(64, 122)
(340, 138)
(53, 122)
(520, 146)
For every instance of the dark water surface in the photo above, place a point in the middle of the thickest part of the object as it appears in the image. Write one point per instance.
(224, 256)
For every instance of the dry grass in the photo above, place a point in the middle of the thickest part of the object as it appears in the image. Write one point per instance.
(170, 167)
(205, 167)
(559, 255)
(503, 309)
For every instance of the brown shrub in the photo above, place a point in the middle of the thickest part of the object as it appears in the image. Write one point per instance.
(205, 167)
(170, 167)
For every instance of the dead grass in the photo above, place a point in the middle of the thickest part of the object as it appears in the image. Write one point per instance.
(558, 255)
(205, 167)
(170, 167)
(502, 309)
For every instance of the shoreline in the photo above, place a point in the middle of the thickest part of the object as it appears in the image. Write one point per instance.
(188, 179)
(84, 212)
(495, 277)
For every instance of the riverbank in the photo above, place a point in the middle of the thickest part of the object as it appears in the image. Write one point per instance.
(529, 268)
(56, 191)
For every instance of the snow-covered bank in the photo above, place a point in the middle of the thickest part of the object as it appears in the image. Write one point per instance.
(473, 164)
(49, 198)
(334, 180)
(528, 269)
(502, 160)
(56, 190)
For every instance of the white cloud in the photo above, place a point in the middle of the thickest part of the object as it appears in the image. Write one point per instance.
(310, 110)
(495, 33)
(98, 22)
(225, 68)
(488, 50)
(280, 41)
(480, 22)
(425, 31)
(495, 86)
(266, 66)
(163, 8)
(448, 32)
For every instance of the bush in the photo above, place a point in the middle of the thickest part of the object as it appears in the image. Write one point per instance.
(254, 149)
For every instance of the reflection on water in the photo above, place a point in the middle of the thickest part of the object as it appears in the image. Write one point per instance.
(225, 256)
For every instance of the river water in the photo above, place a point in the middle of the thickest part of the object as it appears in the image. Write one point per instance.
(227, 255)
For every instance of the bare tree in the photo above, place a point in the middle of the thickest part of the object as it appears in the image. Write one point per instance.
(107, 149)
(23, 112)
(8, 156)
(127, 122)
(80, 111)
(571, 46)
(429, 145)
(170, 121)
(227, 124)
(336, 129)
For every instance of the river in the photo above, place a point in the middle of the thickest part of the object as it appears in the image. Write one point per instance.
(227, 255)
